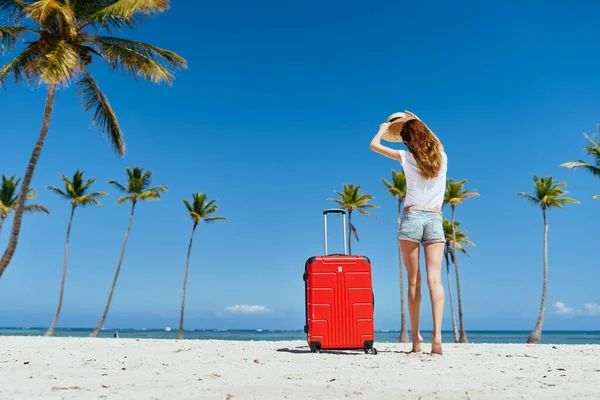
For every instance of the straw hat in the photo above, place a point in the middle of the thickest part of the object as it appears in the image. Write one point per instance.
(397, 121)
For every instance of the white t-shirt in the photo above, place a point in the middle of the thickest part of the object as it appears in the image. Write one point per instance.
(422, 192)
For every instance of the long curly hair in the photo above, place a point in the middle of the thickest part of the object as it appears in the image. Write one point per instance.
(424, 146)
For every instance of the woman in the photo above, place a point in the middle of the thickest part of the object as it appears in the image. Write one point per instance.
(425, 164)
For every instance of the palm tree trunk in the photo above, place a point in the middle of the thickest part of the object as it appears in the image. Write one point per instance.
(454, 328)
(349, 231)
(187, 265)
(1, 222)
(403, 329)
(16, 228)
(536, 335)
(463, 335)
(112, 289)
(50, 330)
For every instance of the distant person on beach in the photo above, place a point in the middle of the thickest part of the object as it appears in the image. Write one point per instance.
(425, 164)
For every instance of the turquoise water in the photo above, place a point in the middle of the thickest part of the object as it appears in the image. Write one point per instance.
(549, 337)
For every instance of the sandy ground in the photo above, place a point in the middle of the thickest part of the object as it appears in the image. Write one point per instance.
(83, 368)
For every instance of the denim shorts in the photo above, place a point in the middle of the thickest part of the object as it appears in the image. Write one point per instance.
(421, 227)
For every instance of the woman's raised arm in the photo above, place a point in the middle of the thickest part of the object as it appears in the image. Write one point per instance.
(377, 147)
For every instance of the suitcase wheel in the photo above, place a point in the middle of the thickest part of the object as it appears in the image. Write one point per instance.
(371, 350)
(315, 349)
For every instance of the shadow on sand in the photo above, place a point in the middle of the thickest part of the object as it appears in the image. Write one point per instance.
(306, 350)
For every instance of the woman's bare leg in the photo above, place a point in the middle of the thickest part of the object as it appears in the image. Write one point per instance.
(410, 255)
(433, 260)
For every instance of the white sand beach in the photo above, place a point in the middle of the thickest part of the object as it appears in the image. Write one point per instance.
(83, 368)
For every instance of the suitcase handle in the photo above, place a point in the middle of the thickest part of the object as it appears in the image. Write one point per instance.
(335, 211)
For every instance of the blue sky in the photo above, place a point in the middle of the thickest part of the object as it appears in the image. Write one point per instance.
(277, 110)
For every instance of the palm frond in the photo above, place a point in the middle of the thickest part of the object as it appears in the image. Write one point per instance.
(152, 193)
(147, 50)
(9, 36)
(137, 59)
(119, 186)
(45, 12)
(17, 67)
(213, 219)
(548, 193)
(368, 214)
(122, 13)
(596, 196)
(456, 193)
(90, 199)
(35, 208)
(565, 200)
(398, 187)
(201, 209)
(57, 65)
(354, 232)
(337, 201)
(124, 199)
(104, 116)
(58, 191)
(30, 194)
(460, 234)
(529, 197)
(188, 206)
(595, 171)
(13, 8)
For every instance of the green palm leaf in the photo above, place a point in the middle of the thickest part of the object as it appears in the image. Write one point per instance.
(56, 66)
(66, 38)
(13, 9)
(593, 150)
(17, 67)
(9, 195)
(137, 188)
(461, 237)
(123, 12)
(351, 198)
(76, 190)
(548, 193)
(104, 116)
(9, 36)
(35, 208)
(200, 209)
(456, 193)
(44, 12)
(398, 186)
(126, 56)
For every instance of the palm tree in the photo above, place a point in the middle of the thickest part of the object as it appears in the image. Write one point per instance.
(62, 39)
(456, 194)
(137, 189)
(76, 193)
(593, 150)
(352, 199)
(9, 199)
(200, 209)
(548, 193)
(398, 189)
(461, 238)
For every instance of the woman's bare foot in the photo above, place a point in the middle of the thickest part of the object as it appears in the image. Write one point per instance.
(417, 345)
(436, 344)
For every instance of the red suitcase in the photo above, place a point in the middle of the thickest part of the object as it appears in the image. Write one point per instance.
(339, 299)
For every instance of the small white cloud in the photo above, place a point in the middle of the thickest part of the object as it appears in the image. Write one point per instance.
(592, 308)
(247, 309)
(563, 309)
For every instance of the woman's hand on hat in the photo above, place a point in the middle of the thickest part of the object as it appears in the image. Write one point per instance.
(383, 127)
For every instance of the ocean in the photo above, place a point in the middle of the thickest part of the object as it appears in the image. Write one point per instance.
(548, 337)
